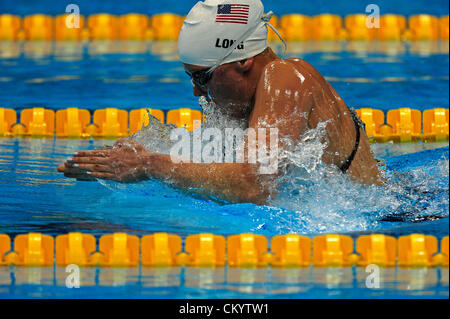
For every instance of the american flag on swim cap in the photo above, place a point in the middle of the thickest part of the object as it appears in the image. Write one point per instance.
(232, 13)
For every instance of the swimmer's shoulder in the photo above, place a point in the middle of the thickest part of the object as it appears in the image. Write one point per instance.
(314, 75)
(286, 71)
(295, 63)
(297, 74)
(305, 67)
(283, 65)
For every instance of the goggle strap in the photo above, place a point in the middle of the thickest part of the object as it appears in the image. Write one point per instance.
(278, 34)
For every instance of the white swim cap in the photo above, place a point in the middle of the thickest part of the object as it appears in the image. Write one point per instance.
(223, 31)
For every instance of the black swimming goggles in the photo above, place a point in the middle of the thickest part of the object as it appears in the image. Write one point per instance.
(201, 77)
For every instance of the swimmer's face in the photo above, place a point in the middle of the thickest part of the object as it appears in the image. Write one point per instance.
(228, 85)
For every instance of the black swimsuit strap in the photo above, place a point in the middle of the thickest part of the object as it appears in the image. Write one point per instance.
(357, 123)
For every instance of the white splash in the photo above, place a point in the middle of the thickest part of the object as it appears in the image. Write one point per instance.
(312, 197)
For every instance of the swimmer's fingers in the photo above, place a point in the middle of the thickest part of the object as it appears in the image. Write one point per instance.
(76, 168)
(92, 153)
(75, 173)
(69, 169)
(94, 167)
(90, 160)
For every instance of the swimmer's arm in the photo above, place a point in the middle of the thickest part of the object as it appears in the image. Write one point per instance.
(235, 182)
(129, 161)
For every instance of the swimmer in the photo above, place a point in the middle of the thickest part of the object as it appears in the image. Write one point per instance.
(223, 48)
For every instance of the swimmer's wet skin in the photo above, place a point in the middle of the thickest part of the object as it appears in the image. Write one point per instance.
(251, 83)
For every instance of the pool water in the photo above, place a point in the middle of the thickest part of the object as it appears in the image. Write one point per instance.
(35, 198)
(224, 283)
(130, 75)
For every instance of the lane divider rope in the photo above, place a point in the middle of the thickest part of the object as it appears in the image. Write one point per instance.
(399, 125)
(166, 26)
(209, 250)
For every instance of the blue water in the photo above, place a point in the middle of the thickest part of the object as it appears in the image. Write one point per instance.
(133, 75)
(52, 204)
(37, 199)
(224, 283)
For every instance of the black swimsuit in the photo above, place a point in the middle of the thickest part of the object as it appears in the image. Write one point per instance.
(358, 124)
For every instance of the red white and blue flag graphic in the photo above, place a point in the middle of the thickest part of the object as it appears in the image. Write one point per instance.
(232, 13)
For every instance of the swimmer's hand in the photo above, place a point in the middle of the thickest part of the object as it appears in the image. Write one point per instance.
(124, 162)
